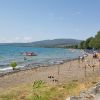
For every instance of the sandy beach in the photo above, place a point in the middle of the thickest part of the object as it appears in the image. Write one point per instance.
(72, 70)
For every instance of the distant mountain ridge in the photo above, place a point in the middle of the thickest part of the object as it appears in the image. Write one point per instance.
(47, 43)
(56, 42)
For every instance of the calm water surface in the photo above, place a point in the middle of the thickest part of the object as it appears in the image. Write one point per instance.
(44, 55)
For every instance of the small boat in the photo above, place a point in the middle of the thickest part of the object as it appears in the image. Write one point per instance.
(29, 54)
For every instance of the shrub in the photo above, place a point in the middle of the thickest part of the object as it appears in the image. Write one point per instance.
(13, 65)
(38, 84)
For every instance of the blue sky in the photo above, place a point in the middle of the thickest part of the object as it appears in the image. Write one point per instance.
(33, 20)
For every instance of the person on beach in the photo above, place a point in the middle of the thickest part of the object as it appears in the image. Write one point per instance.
(79, 60)
(95, 55)
(83, 59)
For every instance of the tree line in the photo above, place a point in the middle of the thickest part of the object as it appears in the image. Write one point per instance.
(91, 42)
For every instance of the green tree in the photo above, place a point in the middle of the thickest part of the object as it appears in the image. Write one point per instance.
(13, 65)
(97, 40)
(87, 43)
(92, 43)
(82, 44)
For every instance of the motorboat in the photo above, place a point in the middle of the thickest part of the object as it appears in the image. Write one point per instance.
(29, 54)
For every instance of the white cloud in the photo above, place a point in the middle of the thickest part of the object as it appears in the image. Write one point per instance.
(16, 40)
(27, 39)
(3, 40)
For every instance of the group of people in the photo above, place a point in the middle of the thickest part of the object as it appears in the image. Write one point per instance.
(96, 55)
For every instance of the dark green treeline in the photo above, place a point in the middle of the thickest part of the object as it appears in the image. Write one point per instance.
(91, 42)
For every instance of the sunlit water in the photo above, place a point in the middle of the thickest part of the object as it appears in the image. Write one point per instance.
(9, 54)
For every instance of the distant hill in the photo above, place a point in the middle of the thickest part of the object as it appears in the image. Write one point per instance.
(56, 42)
(48, 43)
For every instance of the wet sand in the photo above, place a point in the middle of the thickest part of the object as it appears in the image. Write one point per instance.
(72, 70)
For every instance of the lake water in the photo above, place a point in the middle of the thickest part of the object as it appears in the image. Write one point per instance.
(9, 54)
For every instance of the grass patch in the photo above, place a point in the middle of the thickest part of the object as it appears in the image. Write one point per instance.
(8, 96)
(38, 84)
(41, 91)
